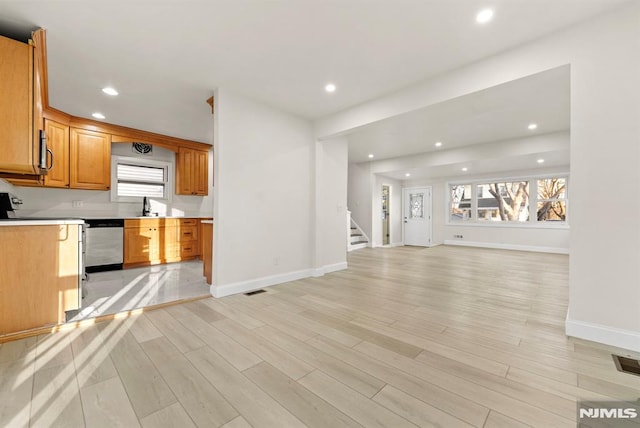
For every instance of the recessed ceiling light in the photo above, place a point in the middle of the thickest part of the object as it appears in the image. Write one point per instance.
(532, 126)
(465, 169)
(330, 87)
(98, 115)
(407, 175)
(110, 91)
(438, 144)
(540, 161)
(484, 16)
(370, 155)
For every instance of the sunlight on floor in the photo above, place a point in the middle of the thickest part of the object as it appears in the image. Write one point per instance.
(117, 291)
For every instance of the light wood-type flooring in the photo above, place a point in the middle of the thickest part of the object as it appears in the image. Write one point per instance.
(446, 337)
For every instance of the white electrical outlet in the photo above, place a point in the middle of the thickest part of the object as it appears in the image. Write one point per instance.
(76, 204)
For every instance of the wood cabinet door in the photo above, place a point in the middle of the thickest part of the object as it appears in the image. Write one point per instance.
(38, 275)
(141, 245)
(169, 245)
(89, 160)
(192, 172)
(40, 88)
(200, 173)
(16, 107)
(183, 171)
(58, 143)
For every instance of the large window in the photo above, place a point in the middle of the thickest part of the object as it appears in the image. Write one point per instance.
(510, 201)
(503, 201)
(134, 178)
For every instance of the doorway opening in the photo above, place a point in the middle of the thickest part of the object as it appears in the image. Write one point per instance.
(385, 215)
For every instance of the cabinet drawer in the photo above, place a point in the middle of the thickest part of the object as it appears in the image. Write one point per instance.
(149, 222)
(189, 249)
(188, 233)
(188, 222)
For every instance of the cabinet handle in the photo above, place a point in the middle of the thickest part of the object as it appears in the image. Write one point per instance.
(49, 167)
(188, 249)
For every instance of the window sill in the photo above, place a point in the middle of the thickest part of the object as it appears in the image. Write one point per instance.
(563, 226)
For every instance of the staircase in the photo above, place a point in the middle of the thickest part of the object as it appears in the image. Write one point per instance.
(356, 238)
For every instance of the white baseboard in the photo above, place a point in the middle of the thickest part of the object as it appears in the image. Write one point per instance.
(625, 339)
(267, 281)
(357, 247)
(556, 250)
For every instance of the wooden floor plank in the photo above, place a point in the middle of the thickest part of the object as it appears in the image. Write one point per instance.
(437, 397)
(241, 357)
(184, 339)
(306, 406)
(357, 406)
(168, 417)
(416, 411)
(255, 405)
(146, 389)
(352, 376)
(520, 410)
(56, 398)
(202, 401)
(286, 362)
(106, 404)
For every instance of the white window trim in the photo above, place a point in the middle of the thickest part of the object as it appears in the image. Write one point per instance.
(533, 222)
(115, 160)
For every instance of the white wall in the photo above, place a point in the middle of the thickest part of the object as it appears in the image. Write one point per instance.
(264, 212)
(51, 202)
(331, 206)
(604, 302)
(359, 196)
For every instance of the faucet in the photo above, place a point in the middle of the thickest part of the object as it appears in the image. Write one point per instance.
(146, 207)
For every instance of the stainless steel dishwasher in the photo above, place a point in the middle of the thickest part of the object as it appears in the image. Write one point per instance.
(104, 244)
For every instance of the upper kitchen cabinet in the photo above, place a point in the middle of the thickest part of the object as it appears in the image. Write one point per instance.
(23, 89)
(89, 160)
(192, 172)
(58, 142)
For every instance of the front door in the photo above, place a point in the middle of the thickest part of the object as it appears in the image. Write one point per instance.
(417, 216)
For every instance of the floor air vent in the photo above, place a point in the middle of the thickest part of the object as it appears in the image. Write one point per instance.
(627, 365)
(253, 293)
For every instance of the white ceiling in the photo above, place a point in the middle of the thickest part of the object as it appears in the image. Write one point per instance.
(166, 57)
(485, 132)
(498, 113)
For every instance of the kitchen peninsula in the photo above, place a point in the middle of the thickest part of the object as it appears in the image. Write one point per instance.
(40, 272)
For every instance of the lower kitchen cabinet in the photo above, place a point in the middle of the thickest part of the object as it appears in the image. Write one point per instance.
(39, 275)
(150, 241)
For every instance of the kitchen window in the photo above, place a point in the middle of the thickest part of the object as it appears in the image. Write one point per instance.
(134, 178)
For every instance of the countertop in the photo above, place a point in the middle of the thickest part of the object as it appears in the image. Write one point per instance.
(39, 221)
(26, 221)
(206, 221)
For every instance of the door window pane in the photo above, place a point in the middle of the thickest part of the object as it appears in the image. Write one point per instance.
(416, 202)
